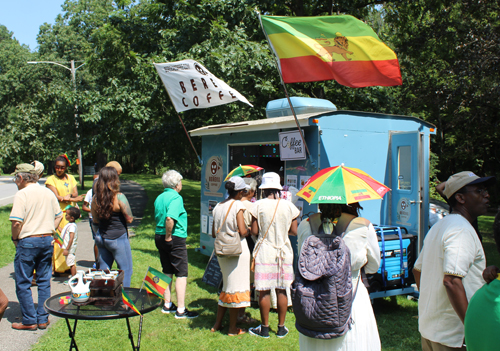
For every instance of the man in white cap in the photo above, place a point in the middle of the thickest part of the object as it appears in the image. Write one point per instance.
(450, 266)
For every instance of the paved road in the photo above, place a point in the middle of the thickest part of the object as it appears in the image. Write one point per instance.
(8, 189)
(16, 340)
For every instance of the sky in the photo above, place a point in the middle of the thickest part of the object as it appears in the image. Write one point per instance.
(24, 17)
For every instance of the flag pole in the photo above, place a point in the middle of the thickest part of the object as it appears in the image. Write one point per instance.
(145, 275)
(190, 141)
(286, 93)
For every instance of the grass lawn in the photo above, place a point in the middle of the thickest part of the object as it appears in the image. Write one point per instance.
(8, 248)
(396, 317)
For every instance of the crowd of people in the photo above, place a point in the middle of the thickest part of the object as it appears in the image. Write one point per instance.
(40, 214)
(459, 303)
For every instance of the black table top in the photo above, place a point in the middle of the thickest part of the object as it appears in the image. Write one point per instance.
(143, 301)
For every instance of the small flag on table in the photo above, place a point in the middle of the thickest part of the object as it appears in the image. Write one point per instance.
(58, 239)
(128, 301)
(156, 282)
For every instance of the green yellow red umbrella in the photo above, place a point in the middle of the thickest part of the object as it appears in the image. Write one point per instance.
(242, 171)
(341, 185)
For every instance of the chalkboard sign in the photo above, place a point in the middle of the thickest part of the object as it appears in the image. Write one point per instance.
(213, 274)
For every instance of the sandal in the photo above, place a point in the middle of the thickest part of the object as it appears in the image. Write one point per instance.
(213, 330)
(240, 332)
(247, 320)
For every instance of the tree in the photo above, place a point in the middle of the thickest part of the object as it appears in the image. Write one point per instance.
(450, 53)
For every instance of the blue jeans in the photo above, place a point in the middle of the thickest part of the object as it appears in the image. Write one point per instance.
(31, 254)
(118, 250)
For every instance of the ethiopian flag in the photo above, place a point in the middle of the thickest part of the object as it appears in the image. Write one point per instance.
(128, 301)
(58, 239)
(340, 48)
(156, 282)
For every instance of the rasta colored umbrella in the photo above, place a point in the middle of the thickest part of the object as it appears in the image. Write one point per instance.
(242, 171)
(341, 185)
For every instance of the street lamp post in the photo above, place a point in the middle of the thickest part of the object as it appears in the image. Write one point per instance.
(72, 69)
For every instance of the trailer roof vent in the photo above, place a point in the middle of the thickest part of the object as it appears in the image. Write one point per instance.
(301, 105)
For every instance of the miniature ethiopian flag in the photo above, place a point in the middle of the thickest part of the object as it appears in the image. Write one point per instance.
(128, 301)
(341, 48)
(156, 282)
(58, 239)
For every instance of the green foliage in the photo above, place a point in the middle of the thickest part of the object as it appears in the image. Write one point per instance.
(448, 52)
(8, 248)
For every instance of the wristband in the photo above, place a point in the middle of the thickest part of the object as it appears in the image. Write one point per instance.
(13, 240)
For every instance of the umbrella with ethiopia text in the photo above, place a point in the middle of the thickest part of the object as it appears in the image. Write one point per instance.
(341, 185)
(242, 171)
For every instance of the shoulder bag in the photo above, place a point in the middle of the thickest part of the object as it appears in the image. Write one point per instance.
(227, 244)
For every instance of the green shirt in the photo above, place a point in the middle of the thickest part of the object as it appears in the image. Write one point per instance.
(482, 320)
(170, 204)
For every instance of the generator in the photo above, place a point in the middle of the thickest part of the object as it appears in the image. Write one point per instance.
(398, 252)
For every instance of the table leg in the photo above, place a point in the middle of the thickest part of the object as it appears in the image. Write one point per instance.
(139, 336)
(72, 335)
(131, 337)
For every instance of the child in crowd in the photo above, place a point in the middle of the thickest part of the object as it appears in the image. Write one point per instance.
(69, 236)
(87, 206)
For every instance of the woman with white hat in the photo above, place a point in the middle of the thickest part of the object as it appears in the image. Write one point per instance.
(273, 220)
(235, 294)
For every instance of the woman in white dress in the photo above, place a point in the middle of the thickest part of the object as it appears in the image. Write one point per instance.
(362, 242)
(273, 220)
(235, 292)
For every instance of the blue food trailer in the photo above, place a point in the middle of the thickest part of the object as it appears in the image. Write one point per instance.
(393, 149)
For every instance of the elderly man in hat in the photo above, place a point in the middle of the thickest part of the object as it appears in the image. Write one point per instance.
(35, 215)
(450, 266)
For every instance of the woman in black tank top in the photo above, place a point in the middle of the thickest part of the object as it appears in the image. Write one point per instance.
(111, 212)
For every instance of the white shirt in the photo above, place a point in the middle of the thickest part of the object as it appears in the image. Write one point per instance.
(65, 234)
(451, 247)
(88, 199)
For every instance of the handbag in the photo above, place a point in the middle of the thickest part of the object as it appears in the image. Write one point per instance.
(252, 265)
(227, 244)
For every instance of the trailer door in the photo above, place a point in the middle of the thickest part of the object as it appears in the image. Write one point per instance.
(407, 171)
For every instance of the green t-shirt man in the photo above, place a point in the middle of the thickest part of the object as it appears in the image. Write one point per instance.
(482, 320)
(170, 204)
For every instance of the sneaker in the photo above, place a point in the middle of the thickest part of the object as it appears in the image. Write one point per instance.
(261, 331)
(172, 309)
(186, 314)
(282, 332)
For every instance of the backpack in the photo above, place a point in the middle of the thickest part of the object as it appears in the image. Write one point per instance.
(322, 290)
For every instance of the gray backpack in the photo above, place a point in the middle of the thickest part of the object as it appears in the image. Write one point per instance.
(322, 293)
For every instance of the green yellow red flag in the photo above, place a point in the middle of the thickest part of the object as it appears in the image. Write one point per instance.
(340, 48)
(156, 282)
(58, 239)
(128, 301)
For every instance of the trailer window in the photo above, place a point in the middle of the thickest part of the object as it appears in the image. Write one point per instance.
(266, 155)
(404, 167)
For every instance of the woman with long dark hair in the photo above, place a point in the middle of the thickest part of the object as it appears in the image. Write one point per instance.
(63, 185)
(111, 212)
(273, 220)
(235, 294)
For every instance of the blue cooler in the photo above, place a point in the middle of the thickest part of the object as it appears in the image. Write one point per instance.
(398, 252)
